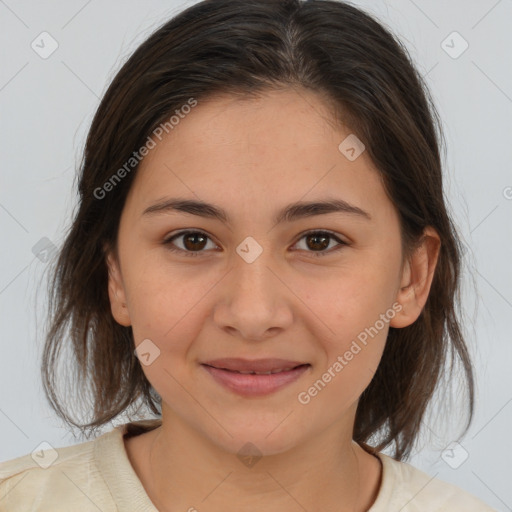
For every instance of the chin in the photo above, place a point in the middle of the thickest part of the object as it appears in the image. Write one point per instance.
(262, 439)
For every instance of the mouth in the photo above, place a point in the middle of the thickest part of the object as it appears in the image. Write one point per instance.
(256, 377)
(258, 366)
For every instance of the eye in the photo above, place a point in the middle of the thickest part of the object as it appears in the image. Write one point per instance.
(193, 242)
(320, 240)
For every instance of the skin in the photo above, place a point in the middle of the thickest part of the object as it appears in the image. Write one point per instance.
(288, 303)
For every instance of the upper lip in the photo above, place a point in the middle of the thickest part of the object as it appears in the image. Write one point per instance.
(254, 365)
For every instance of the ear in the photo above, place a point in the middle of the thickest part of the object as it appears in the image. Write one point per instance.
(416, 279)
(116, 291)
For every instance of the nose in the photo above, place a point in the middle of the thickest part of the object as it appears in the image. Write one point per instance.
(254, 303)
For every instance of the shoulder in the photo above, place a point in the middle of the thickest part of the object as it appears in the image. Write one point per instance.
(409, 489)
(54, 479)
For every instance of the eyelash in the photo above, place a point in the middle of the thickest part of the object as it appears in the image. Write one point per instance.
(316, 254)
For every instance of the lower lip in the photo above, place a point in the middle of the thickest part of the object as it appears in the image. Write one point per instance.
(255, 385)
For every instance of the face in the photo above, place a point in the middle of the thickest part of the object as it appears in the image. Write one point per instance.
(306, 289)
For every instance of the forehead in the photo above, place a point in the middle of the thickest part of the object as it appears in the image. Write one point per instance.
(290, 118)
(282, 144)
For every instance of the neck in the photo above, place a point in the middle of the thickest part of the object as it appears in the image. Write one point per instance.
(189, 472)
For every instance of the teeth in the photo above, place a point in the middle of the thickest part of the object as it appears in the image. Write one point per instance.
(263, 373)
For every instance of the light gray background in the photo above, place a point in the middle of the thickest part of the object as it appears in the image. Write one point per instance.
(47, 106)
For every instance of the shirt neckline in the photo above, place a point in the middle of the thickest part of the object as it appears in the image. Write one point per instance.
(112, 460)
(127, 490)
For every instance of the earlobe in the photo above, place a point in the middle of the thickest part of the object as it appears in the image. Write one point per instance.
(116, 291)
(417, 277)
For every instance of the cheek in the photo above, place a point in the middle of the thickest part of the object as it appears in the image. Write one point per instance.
(355, 307)
(166, 310)
(350, 299)
(161, 295)
(357, 312)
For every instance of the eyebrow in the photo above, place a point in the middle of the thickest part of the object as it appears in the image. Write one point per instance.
(290, 213)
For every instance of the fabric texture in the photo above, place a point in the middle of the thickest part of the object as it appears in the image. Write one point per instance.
(97, 476)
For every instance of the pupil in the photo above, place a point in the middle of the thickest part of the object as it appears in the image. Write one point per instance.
(194, 237)
(321, 245)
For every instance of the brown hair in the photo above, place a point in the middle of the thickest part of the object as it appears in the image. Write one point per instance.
(239, 47)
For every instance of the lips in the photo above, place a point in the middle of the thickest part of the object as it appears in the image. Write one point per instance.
(255, 366)
(249, 384)
(257, 378)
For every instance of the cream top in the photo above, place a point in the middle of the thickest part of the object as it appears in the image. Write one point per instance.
(97, 476)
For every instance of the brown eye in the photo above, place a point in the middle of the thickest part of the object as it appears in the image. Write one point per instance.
(318, 241)
(193, 242)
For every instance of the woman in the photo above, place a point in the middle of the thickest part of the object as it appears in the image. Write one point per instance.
(261, 255)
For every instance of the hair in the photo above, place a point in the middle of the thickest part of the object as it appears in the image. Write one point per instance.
(366, 76)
